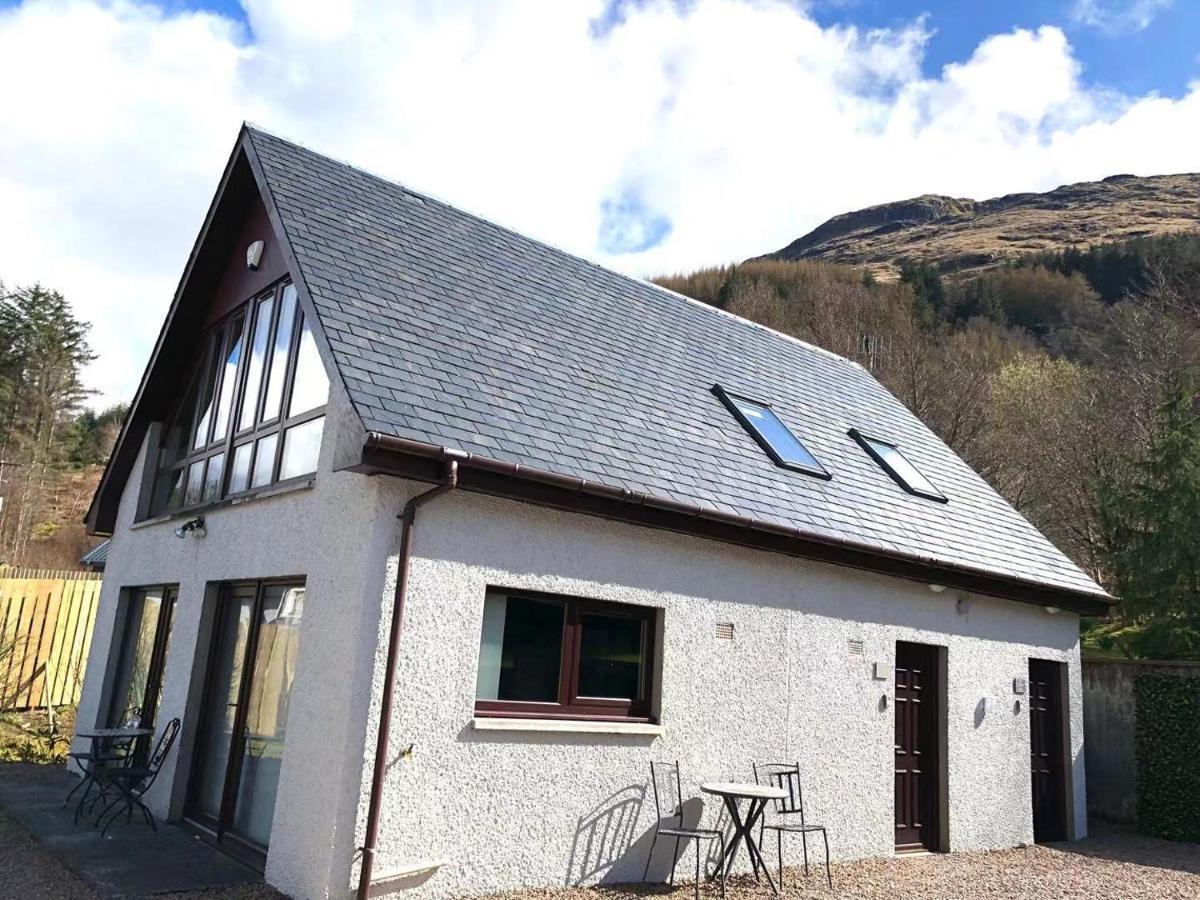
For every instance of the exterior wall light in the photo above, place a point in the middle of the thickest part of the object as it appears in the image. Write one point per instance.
(937, 588)
(254, 256)
(1053, 610)
(195, 527)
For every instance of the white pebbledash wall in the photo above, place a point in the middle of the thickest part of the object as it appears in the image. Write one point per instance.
(504, 809)
(335, 534)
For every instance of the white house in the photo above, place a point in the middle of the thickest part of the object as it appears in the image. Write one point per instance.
(647, 529)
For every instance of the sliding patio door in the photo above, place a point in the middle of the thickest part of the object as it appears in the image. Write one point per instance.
(243, 721)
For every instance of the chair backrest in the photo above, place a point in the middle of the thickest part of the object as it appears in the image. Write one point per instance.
(664, 776)
(786, 777)
(164, 746)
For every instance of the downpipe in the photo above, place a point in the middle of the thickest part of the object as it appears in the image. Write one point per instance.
(408, 518)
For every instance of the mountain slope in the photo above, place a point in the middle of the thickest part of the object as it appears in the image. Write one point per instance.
(962, 234)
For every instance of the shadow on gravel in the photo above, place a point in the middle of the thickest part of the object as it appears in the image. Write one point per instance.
(1126, 846)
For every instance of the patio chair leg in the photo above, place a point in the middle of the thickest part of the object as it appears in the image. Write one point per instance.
(82, 782)
(779, 845)
(104, 811)
(804, 838)
(697, 843)
(649, 856)
(674, 862)
(828, 876)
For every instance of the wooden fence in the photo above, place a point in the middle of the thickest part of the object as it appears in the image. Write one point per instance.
(46, 620)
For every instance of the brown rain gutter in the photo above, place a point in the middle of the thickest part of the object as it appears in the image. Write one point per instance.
(673, 515)
(408, 522)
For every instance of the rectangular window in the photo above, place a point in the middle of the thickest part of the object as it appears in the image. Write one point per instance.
(762, 424)
(545, 656)
(145, 640)
(260, 382)
(896, 464)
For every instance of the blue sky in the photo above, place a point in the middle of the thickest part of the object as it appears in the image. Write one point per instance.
(1162, 56)
(649, 135)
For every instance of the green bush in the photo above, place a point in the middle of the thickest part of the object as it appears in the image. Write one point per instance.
(1168, 777)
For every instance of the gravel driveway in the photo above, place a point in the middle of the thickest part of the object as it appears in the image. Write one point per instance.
(1105, 867)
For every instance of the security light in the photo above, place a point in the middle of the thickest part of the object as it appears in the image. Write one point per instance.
(254, 255)
(193, 526)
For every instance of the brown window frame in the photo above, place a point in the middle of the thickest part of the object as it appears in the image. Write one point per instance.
(216, 343)
(569, 704)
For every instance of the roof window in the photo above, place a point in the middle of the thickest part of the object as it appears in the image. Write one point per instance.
(772, 435)
(897, 465)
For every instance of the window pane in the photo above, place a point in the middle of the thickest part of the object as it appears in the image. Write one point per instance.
(195, 483)
(527, 664)
(267, 710)
(212, 477)
(301, 447)
(208, 376)
(258, 359)
(233, 356)
(176, 440)
(610, 663)
(279, 352)
(776, 435)
(239, 475)
(136, 656)
(310, 388)
(168, 491)
(899, 465)
(264, 460)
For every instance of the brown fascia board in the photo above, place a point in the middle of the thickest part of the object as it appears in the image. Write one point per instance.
(203, 265)
(415, 460)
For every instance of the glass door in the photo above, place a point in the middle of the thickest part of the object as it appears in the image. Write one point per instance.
(244, 720)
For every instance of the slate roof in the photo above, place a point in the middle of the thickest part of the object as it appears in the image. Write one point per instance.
(451, 330)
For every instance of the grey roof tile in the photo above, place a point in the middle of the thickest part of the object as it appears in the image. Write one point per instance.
(450, 329)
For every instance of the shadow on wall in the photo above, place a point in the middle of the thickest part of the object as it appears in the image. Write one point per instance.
(606, 835)
(609, 847)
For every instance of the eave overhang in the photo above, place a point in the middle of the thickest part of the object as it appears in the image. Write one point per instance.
(418, 461)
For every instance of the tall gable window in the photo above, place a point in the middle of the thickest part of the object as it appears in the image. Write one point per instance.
(253, 412)
(761, 422)
(896, 464)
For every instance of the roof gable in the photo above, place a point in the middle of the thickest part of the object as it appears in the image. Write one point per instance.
(215, 280)
(452, 332)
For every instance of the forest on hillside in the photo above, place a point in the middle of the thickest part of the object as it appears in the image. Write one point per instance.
(1069, 380)
(52, 449)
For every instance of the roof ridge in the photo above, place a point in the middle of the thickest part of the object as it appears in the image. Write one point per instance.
(645, 282)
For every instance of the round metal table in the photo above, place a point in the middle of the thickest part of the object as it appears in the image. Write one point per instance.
(759, 796)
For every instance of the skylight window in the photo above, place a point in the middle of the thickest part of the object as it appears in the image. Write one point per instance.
(772, 435)
(897, 465)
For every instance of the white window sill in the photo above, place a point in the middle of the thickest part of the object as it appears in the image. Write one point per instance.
(566, 726)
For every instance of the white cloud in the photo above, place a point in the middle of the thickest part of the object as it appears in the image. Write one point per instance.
(720, 128)
(1117, 16)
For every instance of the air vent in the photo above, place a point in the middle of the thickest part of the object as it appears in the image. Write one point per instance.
(724, 631)
(856, 647)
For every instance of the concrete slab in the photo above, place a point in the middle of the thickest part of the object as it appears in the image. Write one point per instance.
(131, 860)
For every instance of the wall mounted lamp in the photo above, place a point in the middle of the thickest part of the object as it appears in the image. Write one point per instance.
(195, 527)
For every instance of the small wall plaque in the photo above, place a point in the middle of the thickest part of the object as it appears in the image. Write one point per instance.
(1018, 685)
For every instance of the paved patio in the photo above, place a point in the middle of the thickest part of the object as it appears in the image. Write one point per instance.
(130, 861)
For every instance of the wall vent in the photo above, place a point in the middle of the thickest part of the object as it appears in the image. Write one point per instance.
(724, 631)
(856, 647)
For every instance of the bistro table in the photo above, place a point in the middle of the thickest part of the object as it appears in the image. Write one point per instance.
(759, 796)
(99, 755)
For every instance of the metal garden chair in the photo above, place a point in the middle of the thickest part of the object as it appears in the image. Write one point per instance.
(132, 782)
(90, 763)
(680, 832)
(789, 812)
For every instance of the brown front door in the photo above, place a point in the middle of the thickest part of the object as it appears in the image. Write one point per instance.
(1046, 751)
(917, 766)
